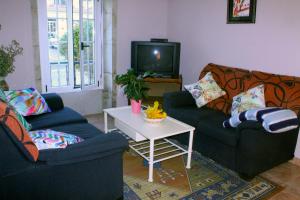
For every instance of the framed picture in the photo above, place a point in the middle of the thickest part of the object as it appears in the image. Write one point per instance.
(241, 11)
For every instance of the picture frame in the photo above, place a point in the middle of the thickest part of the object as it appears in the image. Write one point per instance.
(241, 11)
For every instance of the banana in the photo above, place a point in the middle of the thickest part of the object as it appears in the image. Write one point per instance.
(153, 112)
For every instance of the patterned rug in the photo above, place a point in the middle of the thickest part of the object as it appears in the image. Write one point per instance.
(205, 180)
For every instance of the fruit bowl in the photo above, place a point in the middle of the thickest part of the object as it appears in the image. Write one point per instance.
(153, 114)
(154, 121)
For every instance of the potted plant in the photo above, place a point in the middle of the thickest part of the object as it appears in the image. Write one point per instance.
(7, 59)
(134, 88)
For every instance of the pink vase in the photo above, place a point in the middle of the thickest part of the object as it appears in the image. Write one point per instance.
(136, 106)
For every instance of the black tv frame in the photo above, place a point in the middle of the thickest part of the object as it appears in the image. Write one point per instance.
(176, 56)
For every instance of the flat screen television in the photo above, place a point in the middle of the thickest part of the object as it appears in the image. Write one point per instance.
(162, 58)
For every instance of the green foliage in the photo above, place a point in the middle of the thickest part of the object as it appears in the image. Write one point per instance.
(7, 57)
(134, 86)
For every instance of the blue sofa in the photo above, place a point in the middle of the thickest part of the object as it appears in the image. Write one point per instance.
(92, 169)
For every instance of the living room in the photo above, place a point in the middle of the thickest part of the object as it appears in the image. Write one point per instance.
(271, 45)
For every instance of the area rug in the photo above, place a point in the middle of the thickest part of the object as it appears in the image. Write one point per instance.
(205, 180)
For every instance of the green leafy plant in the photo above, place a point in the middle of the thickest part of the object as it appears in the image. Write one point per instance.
(134, 86)
(7, 57)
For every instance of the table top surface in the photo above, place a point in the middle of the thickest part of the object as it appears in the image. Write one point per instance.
(166, 128)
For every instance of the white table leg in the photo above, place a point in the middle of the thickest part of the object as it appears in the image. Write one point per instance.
(150, 179)
(105, 122)
(190, 150)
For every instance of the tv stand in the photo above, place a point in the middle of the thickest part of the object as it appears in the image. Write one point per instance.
(160, 85)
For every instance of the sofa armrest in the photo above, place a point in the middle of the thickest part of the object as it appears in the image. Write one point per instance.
(90, 149)
(178, 99)
(258, 150)
(54, 101)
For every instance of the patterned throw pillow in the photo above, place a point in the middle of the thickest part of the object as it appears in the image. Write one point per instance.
(50, 139)
(27, 101)
(19, 116)
(252, 98)
(205, 90)
(17, 132)
(2, 95)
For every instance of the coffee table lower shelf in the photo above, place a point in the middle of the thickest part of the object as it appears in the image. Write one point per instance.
(163, 149)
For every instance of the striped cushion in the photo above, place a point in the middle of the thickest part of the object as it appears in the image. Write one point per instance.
(273, 119)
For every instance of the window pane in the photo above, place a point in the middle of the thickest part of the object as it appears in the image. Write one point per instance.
(63, 52)
(77, 74)
(76, 44)
(85, 9)
(59, 75)
(86, 75)
(58, 42)
(91, 9)
(91, 30)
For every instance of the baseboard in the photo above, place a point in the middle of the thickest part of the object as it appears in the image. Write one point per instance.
(295, 161)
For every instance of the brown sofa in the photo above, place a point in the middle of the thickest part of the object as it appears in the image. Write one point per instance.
(247, 149)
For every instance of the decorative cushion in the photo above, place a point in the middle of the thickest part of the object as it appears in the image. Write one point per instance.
(274, 120)
(2, 95)
(17, 132)
(252, 98)
(21, 119)
(205, 90)
(27, 101)
(231, 80)
(50, 139)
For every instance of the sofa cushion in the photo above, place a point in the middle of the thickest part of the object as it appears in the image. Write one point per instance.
(212, 126)
(83, 130)
(27, 101)
(50, 139)
(192, 115)
(20, 117)
(230, 80)
(205, 90)
(250, 99)
(60, 117)
(16, 131)
(280, 90)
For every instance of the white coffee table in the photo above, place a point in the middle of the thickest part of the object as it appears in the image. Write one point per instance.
(145, 135)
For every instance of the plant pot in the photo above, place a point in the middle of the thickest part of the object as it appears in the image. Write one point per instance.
(3, 84)
(136, 106)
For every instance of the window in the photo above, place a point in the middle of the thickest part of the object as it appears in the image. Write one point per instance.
(71, 48)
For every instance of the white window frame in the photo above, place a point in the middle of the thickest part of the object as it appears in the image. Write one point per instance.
(44, 57)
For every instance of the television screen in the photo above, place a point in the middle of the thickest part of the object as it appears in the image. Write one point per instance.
(160, 57)
(155, 58)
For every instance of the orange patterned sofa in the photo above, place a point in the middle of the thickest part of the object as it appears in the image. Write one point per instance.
(280, 91)
(247, 149)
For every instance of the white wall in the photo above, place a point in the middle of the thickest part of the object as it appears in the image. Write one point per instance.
(138, 20)
(271, 44)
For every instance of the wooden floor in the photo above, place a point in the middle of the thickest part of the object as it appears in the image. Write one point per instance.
(286, 175)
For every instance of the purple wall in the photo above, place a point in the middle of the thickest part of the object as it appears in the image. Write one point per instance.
(138, 20)
(16, 21)
(272, 44)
